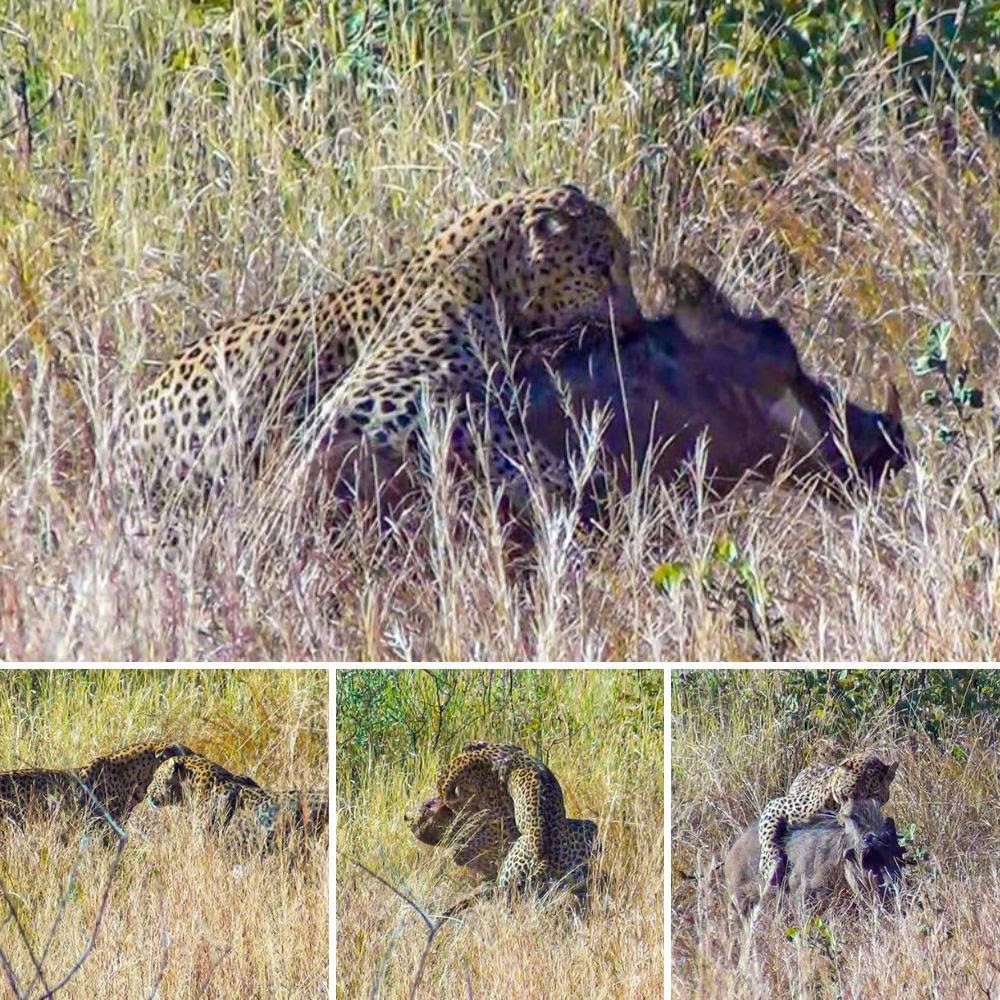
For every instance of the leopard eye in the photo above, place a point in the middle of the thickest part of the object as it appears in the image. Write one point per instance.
(549, 225)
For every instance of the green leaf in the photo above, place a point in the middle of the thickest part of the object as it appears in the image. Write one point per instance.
(670, 576)
(936, 345)
(726, 550)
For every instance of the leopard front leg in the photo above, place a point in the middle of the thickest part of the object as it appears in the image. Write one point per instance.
(368, 448)
(523, 872)
(771, 830)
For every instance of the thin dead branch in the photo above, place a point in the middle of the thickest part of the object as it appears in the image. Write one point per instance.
(433, 926)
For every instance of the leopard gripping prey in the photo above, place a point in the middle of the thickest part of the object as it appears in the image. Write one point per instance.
(504, 812)
(196, 779)
(111, 785)
(236, 807)
(362, 365)
(818, 788)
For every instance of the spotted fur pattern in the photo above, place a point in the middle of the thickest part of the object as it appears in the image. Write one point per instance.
(505, 811)
(110, 785)
(236, 806)
(509, 274)
(818, 788)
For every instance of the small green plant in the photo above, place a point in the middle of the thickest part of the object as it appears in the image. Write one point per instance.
(771, 55)
(957, 402)
(815, 934)
(907, 840)
(732, 584)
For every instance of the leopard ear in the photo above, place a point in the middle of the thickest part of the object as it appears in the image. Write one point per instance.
(574, 191)
(548, 225)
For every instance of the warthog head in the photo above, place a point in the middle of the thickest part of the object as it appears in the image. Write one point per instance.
(479, 835)
(706, 370)
(430, 821)
(873, 859)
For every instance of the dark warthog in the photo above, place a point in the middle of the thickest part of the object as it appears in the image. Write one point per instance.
(479, 838)
(856, 851)
(706, 369)
(482, 834)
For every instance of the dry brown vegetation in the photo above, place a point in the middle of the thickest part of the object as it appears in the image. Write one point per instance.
(602, 738)
(179, 178)
(740, 742)
(183, 917)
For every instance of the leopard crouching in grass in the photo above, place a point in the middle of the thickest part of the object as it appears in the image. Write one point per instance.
(504, 810)
(361, 365)
(817, 789)
(110, 786)
(236, 807)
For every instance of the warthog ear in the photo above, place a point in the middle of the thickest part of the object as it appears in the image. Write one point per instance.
(891, 772)
(692, 288)
(893, 409)
(683, 286)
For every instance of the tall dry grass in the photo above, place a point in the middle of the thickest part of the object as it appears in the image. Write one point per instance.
(609, 763)
(184, 917)
(192, 167)
(727, 762)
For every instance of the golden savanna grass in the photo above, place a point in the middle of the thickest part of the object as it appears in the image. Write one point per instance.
(184, 917)
(601, 733)
(738, 744)
(197, 163)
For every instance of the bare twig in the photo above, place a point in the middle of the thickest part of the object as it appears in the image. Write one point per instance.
(22, 119)
(98, 920)
(50, 991)
(433, 926)
(23, 933)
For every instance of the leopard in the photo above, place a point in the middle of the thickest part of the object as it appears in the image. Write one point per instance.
(505, 810)
(195, 777)
(236, 807)
(818, 788)
(357, 370)
(106, 789)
